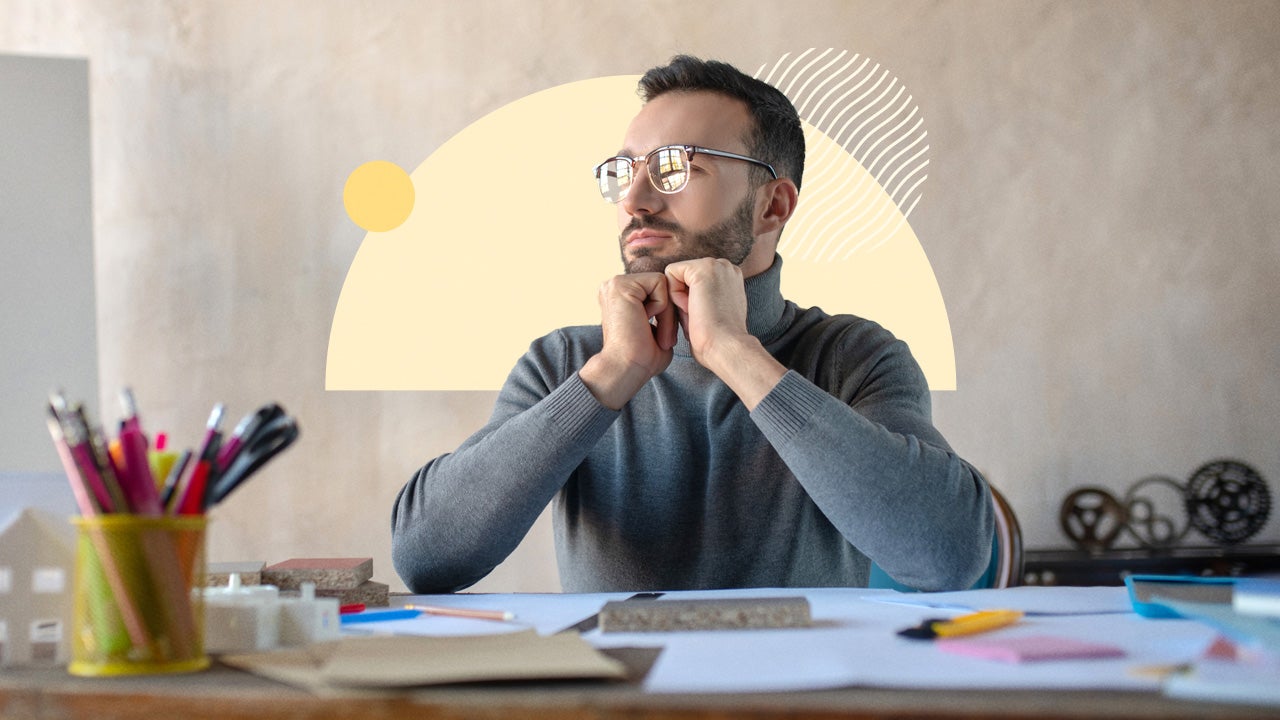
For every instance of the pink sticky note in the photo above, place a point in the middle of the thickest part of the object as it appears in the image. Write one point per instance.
(1027, 648)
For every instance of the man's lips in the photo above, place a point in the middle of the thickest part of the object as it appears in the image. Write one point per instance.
(646, 238)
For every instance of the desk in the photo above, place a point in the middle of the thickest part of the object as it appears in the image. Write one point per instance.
(222, 693)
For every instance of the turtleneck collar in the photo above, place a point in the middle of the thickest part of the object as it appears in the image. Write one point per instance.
(765, 306)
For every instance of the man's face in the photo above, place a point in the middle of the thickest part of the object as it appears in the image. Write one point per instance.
(713, 215)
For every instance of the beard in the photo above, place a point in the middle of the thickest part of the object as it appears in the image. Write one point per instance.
(731, 240)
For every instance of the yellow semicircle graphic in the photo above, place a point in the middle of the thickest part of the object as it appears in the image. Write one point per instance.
(508, 239)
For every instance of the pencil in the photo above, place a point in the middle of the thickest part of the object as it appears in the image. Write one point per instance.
(89, 503)
(500, 615)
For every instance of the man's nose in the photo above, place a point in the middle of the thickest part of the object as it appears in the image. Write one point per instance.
(642, 197)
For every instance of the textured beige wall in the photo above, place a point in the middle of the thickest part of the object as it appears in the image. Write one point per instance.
(1101, 215)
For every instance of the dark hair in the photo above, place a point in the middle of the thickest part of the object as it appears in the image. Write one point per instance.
(777, 137)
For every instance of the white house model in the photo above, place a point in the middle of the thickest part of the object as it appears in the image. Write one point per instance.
(36, 565)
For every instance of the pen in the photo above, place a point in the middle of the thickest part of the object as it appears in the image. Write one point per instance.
(265, 442)
(500, 615)
(246, 428)
(169, 493)
(90, 451)
(377, 616)
(135, 479)
(193, 500)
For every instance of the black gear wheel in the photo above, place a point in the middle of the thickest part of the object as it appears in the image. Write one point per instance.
(1227, 501)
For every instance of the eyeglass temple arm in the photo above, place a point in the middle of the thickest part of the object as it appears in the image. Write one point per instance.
(694, 149)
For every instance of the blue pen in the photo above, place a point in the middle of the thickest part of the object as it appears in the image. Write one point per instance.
(369, 616)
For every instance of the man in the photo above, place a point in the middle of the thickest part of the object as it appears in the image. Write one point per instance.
(708, 433)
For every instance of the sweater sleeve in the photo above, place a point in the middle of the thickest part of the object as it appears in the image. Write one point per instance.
(867, 453)
(463, 513)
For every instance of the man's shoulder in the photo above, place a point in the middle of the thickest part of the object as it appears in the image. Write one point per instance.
(574, 334)
(553, 357)
(830, 349)
(570, 342)
(845, 330)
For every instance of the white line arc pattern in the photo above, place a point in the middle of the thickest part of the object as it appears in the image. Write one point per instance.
(864, 111)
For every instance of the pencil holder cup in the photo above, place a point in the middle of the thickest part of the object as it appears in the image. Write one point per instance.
(135, 612)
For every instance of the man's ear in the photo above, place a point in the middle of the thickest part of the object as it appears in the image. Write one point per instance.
(775, 203)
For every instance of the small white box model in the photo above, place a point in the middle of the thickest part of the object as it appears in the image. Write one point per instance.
(308, 619)
(241, 618)
(247, 618)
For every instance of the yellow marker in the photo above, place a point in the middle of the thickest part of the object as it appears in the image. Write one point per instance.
(161, 462)
(978, 622)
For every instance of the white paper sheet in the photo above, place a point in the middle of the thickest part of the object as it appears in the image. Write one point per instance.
(1032, 600)
(854, 641)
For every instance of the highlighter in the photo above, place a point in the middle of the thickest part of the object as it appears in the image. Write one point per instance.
(973, 623)
(161, 460)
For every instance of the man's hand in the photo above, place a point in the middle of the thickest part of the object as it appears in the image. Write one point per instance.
(634, 349)
(712, 309)
(712, 303)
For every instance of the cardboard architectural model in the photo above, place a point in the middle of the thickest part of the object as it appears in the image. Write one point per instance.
(37, 562)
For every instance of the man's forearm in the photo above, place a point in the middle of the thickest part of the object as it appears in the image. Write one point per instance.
(613, 383)
(893, 490)
(743, 364)
(463, 513)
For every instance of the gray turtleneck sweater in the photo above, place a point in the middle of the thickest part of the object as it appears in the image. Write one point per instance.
(684, 488)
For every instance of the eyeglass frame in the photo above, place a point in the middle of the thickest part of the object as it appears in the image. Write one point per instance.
(689, 150)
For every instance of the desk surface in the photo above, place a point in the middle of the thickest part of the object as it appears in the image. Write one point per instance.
(229, 694)
(224, 692)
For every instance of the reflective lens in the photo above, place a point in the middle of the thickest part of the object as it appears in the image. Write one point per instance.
(669, 168)
(614, 177)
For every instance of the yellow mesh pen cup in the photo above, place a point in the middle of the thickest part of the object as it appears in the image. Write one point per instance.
(138, 609)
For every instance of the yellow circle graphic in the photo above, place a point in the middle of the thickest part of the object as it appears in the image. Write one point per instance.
(378, 196)
(519, 241)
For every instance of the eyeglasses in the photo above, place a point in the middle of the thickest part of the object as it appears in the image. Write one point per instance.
(668, 169)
